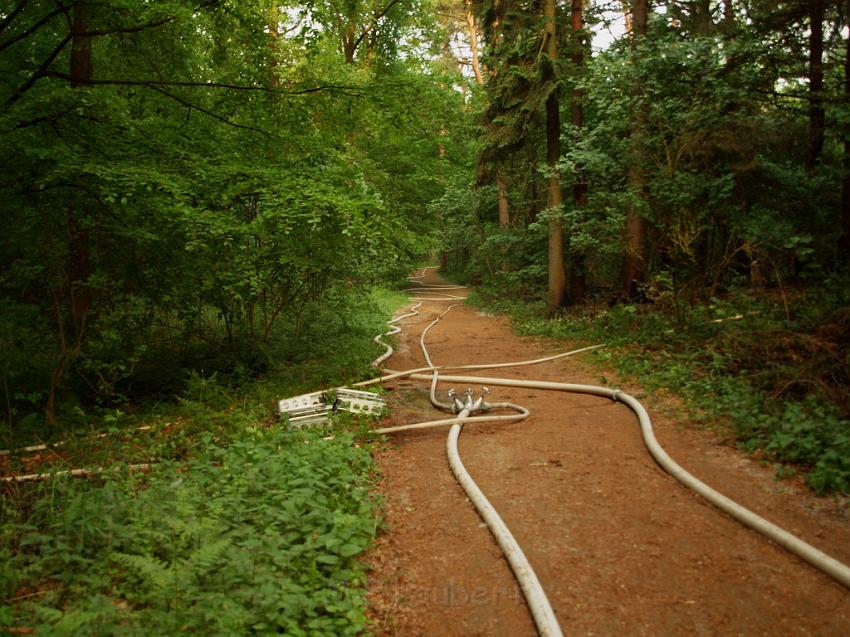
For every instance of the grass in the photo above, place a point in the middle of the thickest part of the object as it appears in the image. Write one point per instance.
(241, 527)
(775, 375)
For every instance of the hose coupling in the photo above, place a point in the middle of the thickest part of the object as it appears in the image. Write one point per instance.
(469, 402)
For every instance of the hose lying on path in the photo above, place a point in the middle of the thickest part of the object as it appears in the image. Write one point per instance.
(532, 589)
(538, 604)
(823, 562)
(820, 560)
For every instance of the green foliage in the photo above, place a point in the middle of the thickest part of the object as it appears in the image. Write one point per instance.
(256, 537)
(331, 346)
(700, 128)
(703, 130)
(190, 212)
(240, 526)
(198, 214)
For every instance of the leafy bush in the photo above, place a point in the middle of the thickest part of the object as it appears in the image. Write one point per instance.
(240, 528)
(257, 537)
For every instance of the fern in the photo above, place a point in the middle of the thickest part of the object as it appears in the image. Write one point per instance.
(150, 572)
(206, 557)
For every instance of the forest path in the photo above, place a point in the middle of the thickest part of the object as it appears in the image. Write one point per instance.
(620, 547)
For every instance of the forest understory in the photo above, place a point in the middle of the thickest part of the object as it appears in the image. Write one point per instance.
(164, 546)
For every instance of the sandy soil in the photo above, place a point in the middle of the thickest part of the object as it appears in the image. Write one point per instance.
(620, 547)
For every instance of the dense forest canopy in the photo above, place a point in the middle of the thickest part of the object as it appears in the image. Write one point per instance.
(185, 183)
(180, 179)
(705, 144)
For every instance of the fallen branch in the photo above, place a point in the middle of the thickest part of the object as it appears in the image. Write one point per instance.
(85, 473)
(59, 443)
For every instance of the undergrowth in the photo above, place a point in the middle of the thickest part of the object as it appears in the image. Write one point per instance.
(774, 369)
(240, 527)
(256, 537)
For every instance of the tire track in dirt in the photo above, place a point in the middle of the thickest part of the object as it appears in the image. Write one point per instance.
(619, 546)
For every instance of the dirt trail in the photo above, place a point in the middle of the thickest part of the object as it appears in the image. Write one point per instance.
(620, 547)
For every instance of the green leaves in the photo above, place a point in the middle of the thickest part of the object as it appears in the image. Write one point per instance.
(260, 535)
(209, 186)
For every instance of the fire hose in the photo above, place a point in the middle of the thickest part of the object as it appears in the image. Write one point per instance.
(541, 609)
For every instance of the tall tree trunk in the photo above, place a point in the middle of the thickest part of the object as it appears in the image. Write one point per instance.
(79, 271)
(704, 24)
(816, 111)
(635, 257)
(81, 70)
(472, 30)
(78, 265)
(578, 281)
(728, 13)
(349, 40)
(627, 17)
(577, 103)
(844, 242)
(557, 285)
(501, 180)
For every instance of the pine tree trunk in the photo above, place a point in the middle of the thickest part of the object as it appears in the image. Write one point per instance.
(557, 284)
(817, 116)
(501, 179)
(844, 241)
(472, 30)
(578, 281)
(635, 257)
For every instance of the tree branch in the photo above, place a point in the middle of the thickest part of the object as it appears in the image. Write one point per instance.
(347, 90)
(8, 19)
(97, 32)
(133, 29)
(67, 11)
(40, 72)
(220, 118)
(35, 27)
(367, 30)
(48, 118)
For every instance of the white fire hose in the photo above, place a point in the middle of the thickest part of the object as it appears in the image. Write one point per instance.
(541, 609)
